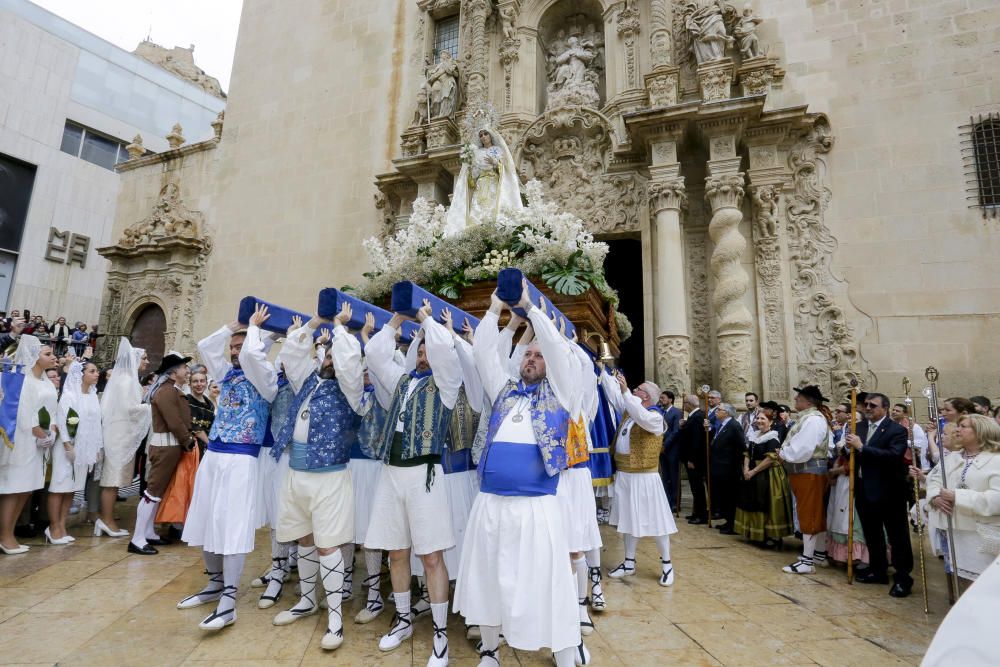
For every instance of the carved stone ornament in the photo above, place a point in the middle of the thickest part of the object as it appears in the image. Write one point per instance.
(176, 137)
(509, 48)
(699, 318)
(574, 57)
(474, 16)
(440, 133)
(628, 28)
(828, 350)
(673, 363)
(217, 124)
(660, 40)
(666, 195)
(169, 219)
(662, 86)
(756, 76)
(568, 151)
(159, 260)
(412, 142)
(715, 80)
(770, 288)
(135, 149)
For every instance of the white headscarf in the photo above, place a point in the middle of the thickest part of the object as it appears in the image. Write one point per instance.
(122, 395)
(89, 436)
(29, 349)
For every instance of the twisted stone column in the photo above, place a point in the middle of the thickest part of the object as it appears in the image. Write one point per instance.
(724, 193)
(476, 12)
(673, 346)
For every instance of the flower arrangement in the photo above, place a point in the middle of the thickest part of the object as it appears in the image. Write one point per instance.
(72, 422)
(467, 154)
(538, 239)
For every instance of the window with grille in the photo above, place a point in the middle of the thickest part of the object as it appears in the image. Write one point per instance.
(981, 154)
(446, 37)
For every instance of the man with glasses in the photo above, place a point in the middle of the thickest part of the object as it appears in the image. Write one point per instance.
(880, 494)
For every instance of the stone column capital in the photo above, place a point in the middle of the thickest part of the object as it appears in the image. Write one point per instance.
(667, 194)
(724, 190)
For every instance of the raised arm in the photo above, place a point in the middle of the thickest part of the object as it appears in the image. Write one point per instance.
(255, 364)
(383, 366)
(492, 372)
(470, 375)
(560, 366)
(650, 420)
(441, 355)
(613, 392)
(346, 351)
(214, 352)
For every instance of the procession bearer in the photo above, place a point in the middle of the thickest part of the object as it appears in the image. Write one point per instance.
(411, 509)
(317, 498)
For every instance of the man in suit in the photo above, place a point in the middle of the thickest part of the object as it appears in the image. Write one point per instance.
(880, 493)
(691, 444)
(714, 401)
(727, 461)
(670, 456)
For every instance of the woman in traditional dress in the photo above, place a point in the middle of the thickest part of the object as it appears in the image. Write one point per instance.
(81, 446)
(202, 407)
(972, 498)
(22, 462)
(126, 421)
(764, 506)
(487, 182)
(837, 512)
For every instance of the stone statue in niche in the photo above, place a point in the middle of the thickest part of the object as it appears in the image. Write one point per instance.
(422, 111)
(507, 18)
(707, 27)
(442, 82)
(746, 31)
(575, 61)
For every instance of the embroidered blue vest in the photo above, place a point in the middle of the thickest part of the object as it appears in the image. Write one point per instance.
(425, 421)
(369, 427)
(549, 421)
(241, 417)
(332, 424)
(279, 407)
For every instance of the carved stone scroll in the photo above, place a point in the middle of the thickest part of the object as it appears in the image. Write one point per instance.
(770, 290)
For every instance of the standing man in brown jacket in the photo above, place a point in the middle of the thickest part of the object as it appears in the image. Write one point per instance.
(171, 437)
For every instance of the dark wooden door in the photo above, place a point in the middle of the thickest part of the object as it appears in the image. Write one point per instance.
(147, 333)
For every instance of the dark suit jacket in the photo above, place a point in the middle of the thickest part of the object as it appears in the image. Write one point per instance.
(672, 417)
(691, 439)
(881, 471)
(728, 448)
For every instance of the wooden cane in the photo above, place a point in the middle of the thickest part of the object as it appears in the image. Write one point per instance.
(915, 455)
(850, 484)
(708, 452)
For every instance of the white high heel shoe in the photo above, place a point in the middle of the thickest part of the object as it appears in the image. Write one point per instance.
(55, 540)
(19, 549)
(101, 527)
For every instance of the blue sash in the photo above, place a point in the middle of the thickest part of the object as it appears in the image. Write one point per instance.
(233, 448)
(516, 469)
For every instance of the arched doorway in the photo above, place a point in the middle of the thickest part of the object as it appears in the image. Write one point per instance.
(148, 333)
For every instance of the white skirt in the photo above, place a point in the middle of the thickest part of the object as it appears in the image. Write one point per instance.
(115, 475)
(23, 478)
(462, 488)
(66, 477)
(364, 477)
(268, 490)
(640, 506)
(576, 495)
(221, 517)
(516, 573)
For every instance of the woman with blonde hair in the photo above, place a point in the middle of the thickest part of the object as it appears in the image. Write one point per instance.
(972, 498)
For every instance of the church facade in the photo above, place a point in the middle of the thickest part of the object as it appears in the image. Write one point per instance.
(808, 186)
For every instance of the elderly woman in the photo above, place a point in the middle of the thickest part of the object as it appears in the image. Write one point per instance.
(764, 503)
(972, 498)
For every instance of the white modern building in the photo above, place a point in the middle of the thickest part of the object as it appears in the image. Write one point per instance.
(70, 102)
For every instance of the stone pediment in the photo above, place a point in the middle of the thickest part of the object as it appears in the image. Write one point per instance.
(170, 224)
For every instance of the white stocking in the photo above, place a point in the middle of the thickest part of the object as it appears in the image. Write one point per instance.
(663, 544)
(331, 569)
(348, 554)
(630, 545)
(490, 644)
(308, 574)
(808, 547)
(145, 515)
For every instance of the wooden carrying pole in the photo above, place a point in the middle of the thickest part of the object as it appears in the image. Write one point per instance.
(915, 455)
(850, 484)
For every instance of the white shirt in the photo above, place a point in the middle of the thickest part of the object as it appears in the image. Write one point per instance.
(800, 447)
(562, 371)
(630, 407)
(214, 351)
(441, 355)
(297, 357)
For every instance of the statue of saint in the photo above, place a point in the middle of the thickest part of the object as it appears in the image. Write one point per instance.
(746, 31)
(708, 31)
(487, 182)
(442, 79)
(573, 80)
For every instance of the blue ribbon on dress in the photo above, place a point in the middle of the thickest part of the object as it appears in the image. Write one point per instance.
(417, 375)
(526, 390)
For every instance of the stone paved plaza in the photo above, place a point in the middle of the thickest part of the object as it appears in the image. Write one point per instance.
(91, 603)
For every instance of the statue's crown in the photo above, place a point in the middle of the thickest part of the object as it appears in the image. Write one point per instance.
(477, 118)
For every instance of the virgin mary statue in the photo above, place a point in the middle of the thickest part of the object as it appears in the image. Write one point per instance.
(486, 183)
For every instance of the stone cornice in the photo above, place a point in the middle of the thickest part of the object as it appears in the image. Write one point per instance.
(168, 155)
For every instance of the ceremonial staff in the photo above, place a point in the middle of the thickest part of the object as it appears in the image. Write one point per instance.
(915, 453)
(708, 453)
(932, 409)
(850, 483)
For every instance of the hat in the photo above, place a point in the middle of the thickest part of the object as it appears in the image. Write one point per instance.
(770, 405)
(812, 392)
(171, 361)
